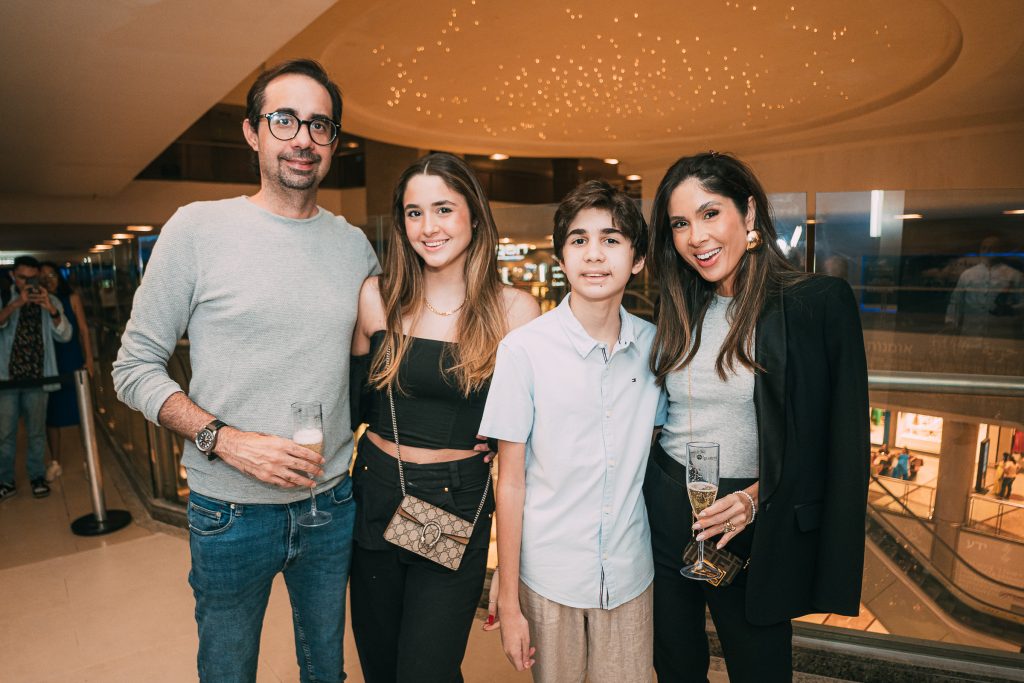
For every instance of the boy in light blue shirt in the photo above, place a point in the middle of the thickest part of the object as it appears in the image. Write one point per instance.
(572, 403)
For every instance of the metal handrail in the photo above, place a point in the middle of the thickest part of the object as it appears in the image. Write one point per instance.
(1005, 386)
(953, 552)
(1000, 514)
(909, 487)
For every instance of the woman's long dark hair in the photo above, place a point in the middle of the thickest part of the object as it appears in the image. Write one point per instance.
(685, 296)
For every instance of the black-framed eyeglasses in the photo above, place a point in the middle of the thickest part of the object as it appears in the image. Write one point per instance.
(284, 126)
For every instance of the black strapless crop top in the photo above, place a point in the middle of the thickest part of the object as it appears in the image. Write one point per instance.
(430, 410)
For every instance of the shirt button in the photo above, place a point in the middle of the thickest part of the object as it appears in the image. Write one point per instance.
(611, 462)
(607, 413)
(605, 556)
(607, 509)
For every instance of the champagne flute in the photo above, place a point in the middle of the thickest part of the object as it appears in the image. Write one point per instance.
(308, 432)
(702, 489)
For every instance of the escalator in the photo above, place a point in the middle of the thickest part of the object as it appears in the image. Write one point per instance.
(911, 596)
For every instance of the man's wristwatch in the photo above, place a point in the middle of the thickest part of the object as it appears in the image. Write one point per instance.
(206, 439)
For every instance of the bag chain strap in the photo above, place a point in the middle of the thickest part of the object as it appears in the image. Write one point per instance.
(398, 447)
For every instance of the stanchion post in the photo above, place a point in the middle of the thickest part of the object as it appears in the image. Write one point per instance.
(101, 521)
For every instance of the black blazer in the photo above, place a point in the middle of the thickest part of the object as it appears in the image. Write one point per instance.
(812, 422)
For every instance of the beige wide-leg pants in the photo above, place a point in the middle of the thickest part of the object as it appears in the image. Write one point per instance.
(596, 645)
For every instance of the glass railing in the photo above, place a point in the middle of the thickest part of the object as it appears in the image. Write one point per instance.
(909, 278)
(897, 495)
(997, 517)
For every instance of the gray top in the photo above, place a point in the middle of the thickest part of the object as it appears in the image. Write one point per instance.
(269, 304)
(723, 412)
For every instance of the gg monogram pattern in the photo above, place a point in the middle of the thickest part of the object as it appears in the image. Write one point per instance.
(415, 527)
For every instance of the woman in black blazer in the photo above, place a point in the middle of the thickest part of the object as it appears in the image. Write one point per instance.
(781, 382)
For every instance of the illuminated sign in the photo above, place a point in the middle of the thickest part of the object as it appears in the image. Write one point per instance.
(513, 252)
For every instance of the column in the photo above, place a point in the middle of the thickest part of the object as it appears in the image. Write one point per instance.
(384, 163)
(956, 478)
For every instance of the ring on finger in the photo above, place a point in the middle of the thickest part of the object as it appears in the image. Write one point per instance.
(729, 527)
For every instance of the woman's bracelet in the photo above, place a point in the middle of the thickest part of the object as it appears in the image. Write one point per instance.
(753, 507)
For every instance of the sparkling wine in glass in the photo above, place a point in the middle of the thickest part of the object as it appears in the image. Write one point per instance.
(702, 489)
(308, 432)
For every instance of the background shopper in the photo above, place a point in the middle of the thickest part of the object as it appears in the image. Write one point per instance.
(31, 322)
(62, 406)
(1007, 476)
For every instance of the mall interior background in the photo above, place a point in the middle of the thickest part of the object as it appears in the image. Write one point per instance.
(890, 137)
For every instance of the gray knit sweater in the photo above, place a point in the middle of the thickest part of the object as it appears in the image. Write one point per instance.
(269, 305)
(723, 412)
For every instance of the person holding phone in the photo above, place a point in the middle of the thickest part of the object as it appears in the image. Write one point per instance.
(30, 322)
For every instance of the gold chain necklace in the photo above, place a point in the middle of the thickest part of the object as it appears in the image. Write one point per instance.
(444, 314)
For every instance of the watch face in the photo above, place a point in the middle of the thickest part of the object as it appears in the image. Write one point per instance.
(204, 440)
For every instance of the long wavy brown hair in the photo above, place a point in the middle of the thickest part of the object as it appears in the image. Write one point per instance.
(482, 321)
(685, 296)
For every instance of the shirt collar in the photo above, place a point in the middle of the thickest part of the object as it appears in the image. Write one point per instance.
(581, 340)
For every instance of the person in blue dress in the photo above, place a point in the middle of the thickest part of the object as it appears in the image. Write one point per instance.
(902, 468)
(62, 408)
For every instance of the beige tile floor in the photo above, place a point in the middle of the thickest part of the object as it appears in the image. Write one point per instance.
(118, 607)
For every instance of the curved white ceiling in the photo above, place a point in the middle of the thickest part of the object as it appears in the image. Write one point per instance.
(599, 79)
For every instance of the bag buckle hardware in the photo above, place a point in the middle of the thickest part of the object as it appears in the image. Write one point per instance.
(428, 544)
(714, 573)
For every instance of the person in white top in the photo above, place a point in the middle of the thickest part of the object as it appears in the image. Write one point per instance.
(1007, 477)
(987, 297)
(573, 403)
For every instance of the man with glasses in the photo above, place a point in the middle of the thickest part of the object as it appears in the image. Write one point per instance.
(31, 320)
(266, 288)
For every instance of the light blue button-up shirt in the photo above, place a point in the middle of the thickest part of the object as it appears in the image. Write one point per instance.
(585, 413)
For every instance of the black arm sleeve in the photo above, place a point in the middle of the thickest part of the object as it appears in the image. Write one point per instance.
(359, 375)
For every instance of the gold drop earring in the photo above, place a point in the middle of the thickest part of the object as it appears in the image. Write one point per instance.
(753, 240)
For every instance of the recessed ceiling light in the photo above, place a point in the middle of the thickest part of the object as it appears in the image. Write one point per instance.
(1014, 212)
(140, 228)
(498, 156)
(613, 162)
(101, 247)
(352, 145)
(633, 176)
(909, 216)
(122, 236)
(505, 240)
(811, 221)
(112, 243)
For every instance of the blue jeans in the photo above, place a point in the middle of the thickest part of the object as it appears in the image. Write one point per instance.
(237, 550)
(30, 404)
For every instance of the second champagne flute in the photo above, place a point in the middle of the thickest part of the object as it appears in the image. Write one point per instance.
(308, 432)
(702, 489)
